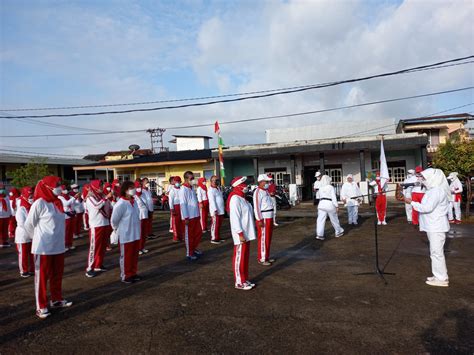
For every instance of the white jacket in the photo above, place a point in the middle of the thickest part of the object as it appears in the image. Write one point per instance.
(408, 190)
(350, 194)
(173, 197)
(142, 206)
(68, 205)
(316, 186)
(13, 206)
(262, 204)
(8, 212)
(146, 196)
(241, 219)
(48, 227)
(21, 235)
(216, 201)
(126, 221)
(327, 198)
(96, 218)
(201, 194)
(78, 205)
(433, 211)
(188, 203)
(455, 186)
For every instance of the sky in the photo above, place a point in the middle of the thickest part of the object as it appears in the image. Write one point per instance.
(72, 53)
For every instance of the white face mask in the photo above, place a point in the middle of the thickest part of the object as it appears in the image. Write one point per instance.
(11, 193)
(108, 189)
(192, 182)
(30, 200)
(65, 191)
(57, 191)
(132, 192)
(139, 189)
(245, 190)
(147, 184)
(178, 185)
(75, 190)
(266, 186)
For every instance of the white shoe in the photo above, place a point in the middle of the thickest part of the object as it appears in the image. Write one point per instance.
(384, 223)
(145, 251)
(249, 283)
(432, 278)
(215, 242)
(437, 283)
(43, 313)
(340, 234)
(379, 223)
(171, 231)
(320, 237)
(61, 304)
(276, 224)
(244, 287)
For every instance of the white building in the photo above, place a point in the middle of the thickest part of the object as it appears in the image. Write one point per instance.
(185, 142)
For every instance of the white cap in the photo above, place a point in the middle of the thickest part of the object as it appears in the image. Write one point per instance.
(317, 174)
(411, 171)
(237, 182)
(349, 176)
(74, 186)
(264, 177)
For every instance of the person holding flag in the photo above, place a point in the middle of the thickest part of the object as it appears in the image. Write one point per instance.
(203, 200)
(380, 187)
(220, 144)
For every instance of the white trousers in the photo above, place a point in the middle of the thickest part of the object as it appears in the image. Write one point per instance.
(438, 262)
(352, 214)
(457, 210)
(409, 211)
(321, 222)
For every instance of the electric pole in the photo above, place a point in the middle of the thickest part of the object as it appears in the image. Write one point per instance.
(156, 139)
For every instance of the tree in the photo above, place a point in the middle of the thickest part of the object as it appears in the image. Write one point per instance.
(457, 154)
(31, 173)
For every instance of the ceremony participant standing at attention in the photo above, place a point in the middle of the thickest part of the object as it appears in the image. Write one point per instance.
(116, 190)
(203, 200)
(78, 209)
(417, 193)
(316, 186)
(272, 190)
(456, 191)
(100, 210)
(23, 239)
(410, 179)
(85, 219)
(13, 196)
(47, 225)
(68, 208)
(190, 217)
(147, 197)
(5, 214)
(140, 199)
(126, 224)
(243, 231)
(380, 199)
(352, 197)
(216, 209)
(175, 209)
(433, 213)
(168, 189)
(327, 207)
(263, 209)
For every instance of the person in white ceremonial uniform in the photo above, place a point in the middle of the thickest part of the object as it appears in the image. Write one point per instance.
(327, 206)
(316, 186)
(456, 192)
(410, 179)
(23, 239)
(351, 196)
(216, 209)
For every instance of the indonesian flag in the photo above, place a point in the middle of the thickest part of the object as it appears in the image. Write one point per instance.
(384, 176)
(220, 145)
(217, 129)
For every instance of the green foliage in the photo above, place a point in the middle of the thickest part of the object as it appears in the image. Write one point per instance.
(455, 155)
(31, 173)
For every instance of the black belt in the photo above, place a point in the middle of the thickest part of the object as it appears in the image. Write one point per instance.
(354, 198)
(267, 211)
(326, 199)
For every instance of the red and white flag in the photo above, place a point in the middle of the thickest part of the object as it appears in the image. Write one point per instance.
(384, 175)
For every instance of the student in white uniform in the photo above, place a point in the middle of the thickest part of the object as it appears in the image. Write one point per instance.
(5, 214)
(46, 223)
(433, 218)
(351, 196)
(141, 201)
(79, 209)
(173, 197)
(216, 209)
(316, 186)
(68, 206)
(201, 193)
(147, 196)
(327, 207)
(23, 239)
(410, 179)
(125, 222)
(243, 231)
(263, 209)
(456, 192)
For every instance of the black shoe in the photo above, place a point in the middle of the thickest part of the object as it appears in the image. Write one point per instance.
(136, 278)
(91, 273)
(101, 269)
(272, 260)
(128, 281)
(32, 273)
(25, 274)
(197, 252)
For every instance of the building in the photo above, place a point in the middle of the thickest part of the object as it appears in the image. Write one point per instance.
(438, 128)
(186, 142)
(297, 162)
(119, 155)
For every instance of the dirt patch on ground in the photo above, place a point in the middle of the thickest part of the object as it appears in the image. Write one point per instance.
(309, 301)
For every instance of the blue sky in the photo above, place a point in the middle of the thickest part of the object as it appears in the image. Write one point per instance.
(60, 53)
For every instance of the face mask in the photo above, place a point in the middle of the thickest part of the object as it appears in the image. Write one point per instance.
(132, 192)
(75, 190)
(117, 185)
(245, 190)
(139, 189)
(266, 186)
(147, 184)
(108, 188)
(57, 191)
(2, 192)
(65, 191)
(192, 182)
(178, 185)
(11, 193)
(30, 200)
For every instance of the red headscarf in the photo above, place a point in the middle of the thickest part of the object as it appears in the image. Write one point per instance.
(85, 191)
(15, 193)
(65, 195)
(26, 192)
(2, 199)
(97, 193)
(138, 185)
(44, 190)
(236, 190)
(116, 189)
(202, 183)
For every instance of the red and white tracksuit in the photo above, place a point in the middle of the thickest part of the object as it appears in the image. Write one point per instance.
(68, 205)
(190, 215)
(99, 231)
(79, 217)
(125, 221)
(216, 210)
(5, 214)
(456, 191)
(204, 206)
(12, 223)
(263, 209)
(175, 208)
(144, 220)
(23, 242)
(146, 196)
(417, 194)
(380, 200)
(241, 224)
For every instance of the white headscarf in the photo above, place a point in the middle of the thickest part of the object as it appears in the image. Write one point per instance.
(349, 176)
(436, 178)
(453, 175)
(325, 180)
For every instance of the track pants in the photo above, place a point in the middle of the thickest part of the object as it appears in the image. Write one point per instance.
(48, 268)
(78, 225)
(192, 235)
(129, 259)
(171, 222)
(86, 221)
(143, 232)
(264, 236)
(177, 224)
(216, 223)
(416, 197)
(321, 222)
(69, 232)
(381, 207)
(26, 261)
(149, 224)
(4, 230)
(409, 212)
(204, 214)
(352, 214)
(98, 240)
(457, 211)
(12, 227)
(240, 262)
(438, 262)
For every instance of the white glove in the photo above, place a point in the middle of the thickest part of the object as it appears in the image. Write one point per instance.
(114, 238)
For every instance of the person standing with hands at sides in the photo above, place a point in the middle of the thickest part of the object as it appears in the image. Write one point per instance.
(100, 210)
(126, 225)
(216, 209)
(78, 209)
(351, 196)
(433, 213)
(190, 216)
(175, 209)
(143, 209)
(13, 196)
(272, 191)
(5, 214)
(146, 196)
(263, 209)
(168, 189)
(23, 240)
(203, 200)
(47, 225)
(417, 193)
(380, 199)
(327, 207)
(84, 193)
(410, 179)
(316, 186)
(109, 193)
(456, 191)
(68, 207)
(243, 231)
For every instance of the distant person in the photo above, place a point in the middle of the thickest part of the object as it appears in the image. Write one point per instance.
(79, 211)
(263, 209)
(316, 186)
(351, 196)
(177, 225)
(13, 196)
(140, 199)
(216, 209)
(456, 192)
(243, 231)
(5, 214)
(203, 200)
(47, 224)
(167, 193)
(23, 239)
(410, 179)
(327, 206)
(433, 213)
(190, 216)
(146, 193)
(68, 207)
(126, 225)
(272, 190)
(417, 193)
(380, 199)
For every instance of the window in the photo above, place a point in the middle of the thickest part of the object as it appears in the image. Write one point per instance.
(397, 174)
(280, 176)
(335, 174)
(434, 137)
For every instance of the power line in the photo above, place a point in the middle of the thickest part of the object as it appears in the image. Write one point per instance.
(38, 154)
(250, 119)
(284, 92)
